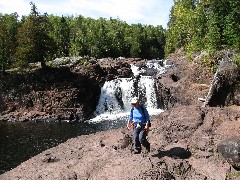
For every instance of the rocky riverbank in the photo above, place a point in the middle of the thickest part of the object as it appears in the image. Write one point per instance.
(183, 141)
(190, 140)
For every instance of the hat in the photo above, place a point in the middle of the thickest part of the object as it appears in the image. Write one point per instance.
(134, 100)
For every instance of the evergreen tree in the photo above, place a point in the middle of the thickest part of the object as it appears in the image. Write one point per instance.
(8, 30)
(206, 25)
(34, 43)
(231, 25)
(153, 42)
(117, 45)
(59, 30)
(64, 37)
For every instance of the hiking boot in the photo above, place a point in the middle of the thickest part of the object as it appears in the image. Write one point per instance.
(147, 149)
(136, 151)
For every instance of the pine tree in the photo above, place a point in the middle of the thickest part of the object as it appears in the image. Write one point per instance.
(8, 30)
(34, 43)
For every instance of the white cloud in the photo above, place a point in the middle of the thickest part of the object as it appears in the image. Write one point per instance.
(7, 6)
(155, 12)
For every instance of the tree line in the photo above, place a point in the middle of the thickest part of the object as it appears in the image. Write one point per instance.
(203, 25)
(40, 38)
(195, 25)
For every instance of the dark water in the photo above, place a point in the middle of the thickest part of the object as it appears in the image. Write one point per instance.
(21, 141)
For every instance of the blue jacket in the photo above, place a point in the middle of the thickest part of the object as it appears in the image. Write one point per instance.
(137, 115)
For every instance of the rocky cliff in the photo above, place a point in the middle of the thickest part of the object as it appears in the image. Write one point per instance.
(57, 93)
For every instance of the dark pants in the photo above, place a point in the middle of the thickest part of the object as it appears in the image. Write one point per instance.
(140, 138)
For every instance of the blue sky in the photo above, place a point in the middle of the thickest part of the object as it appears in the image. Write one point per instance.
(151, 12)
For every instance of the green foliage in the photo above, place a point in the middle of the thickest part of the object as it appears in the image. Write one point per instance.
(59, 30)
(78, 36)
(236, 60)
(114, 38)
(231, 26)
(40, 38)
(209, 62)
(8, 30)
(206, 25)
(34, 43)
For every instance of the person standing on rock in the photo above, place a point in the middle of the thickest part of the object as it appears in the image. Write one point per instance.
(139, 119)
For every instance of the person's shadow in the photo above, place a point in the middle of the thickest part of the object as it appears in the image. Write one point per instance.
(176, 153)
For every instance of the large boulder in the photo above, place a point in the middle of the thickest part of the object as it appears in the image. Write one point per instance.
(189, 83)
(230, 149)
(183, 83)
(224, 87)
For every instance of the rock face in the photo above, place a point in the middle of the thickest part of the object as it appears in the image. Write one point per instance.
(223, 91)
(187, 82)
(57, 94)
(47, 93)
(188, 140)
(183, 83)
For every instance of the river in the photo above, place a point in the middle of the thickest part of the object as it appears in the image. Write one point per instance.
(21, 141)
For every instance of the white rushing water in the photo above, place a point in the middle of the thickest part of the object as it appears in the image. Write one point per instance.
(115, 95)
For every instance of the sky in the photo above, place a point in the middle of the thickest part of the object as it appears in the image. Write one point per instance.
(150, 12)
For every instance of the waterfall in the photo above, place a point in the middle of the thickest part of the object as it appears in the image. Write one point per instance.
(147, 92)
(116, 94)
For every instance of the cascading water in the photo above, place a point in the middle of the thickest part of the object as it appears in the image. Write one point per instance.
(115, 95)
(146, 88)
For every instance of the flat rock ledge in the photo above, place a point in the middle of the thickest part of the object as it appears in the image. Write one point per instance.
(183, 141)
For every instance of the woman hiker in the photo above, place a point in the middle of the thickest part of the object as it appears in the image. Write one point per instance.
(139, 119)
